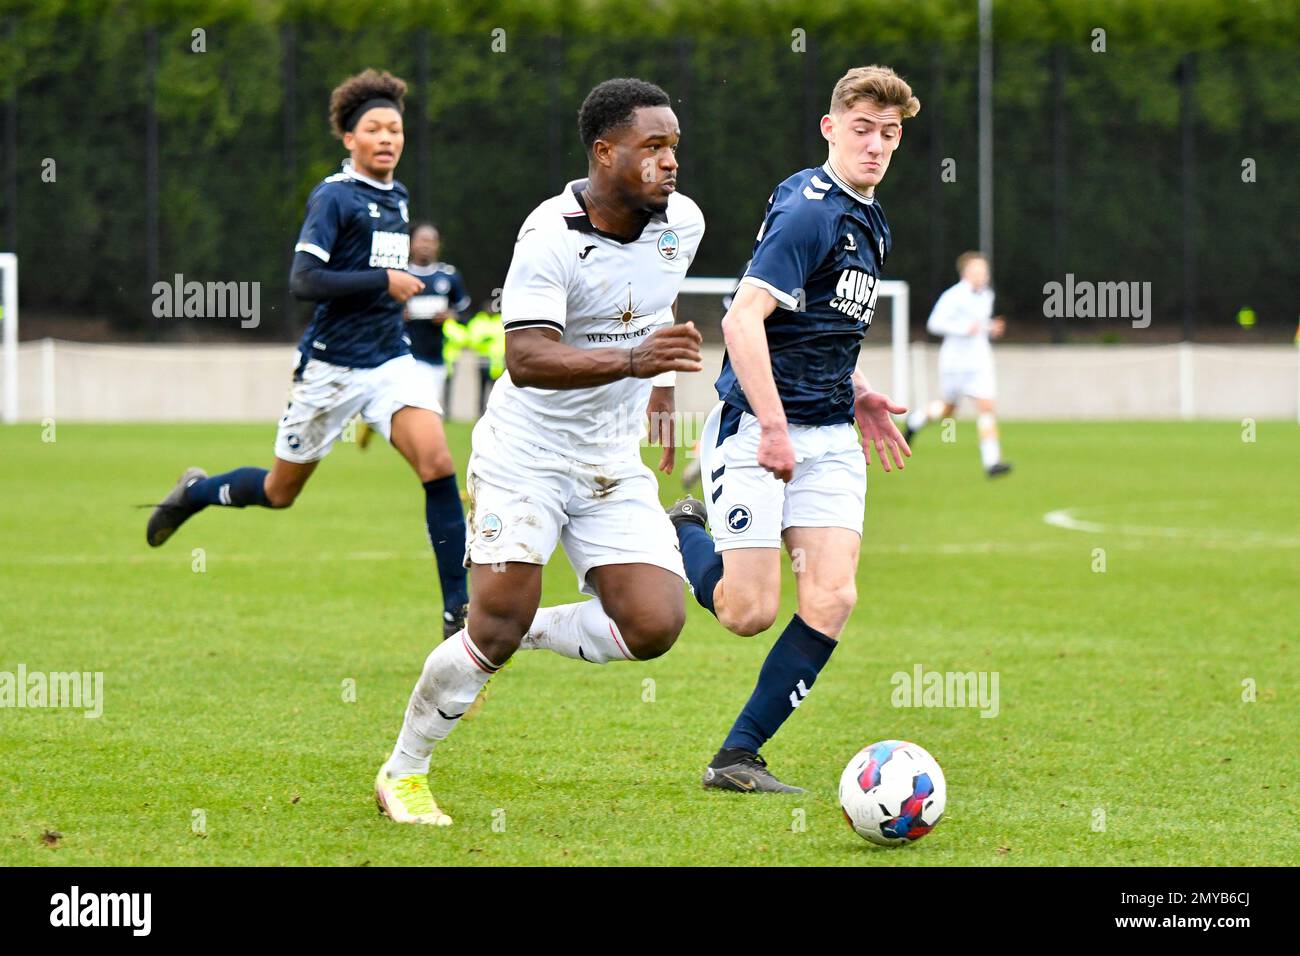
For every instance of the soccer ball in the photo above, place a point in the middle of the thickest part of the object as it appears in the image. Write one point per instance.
(892, 793)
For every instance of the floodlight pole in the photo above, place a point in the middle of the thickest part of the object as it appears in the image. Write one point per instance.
(986, 129)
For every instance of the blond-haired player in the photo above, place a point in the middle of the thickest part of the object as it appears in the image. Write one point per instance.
(781, 462)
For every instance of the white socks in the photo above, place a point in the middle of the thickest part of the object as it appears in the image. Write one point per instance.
(456, 671)
(581, 631)
(990, 447)
(917, 418)
(453, 675)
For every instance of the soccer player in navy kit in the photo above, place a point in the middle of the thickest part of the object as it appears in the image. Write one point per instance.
(351, 258)
(443, 297)
(780, 459)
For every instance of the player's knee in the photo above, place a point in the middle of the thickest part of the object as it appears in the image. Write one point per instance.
(749, 619)
(652, 634)
(499, 639)
(435, 466)
(282, 497)
(828, 608)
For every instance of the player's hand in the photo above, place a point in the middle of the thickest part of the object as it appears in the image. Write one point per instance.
(673, 348)
(872, 411)
(403, 285)
(776, 451)
(998, 327)
(663, 403)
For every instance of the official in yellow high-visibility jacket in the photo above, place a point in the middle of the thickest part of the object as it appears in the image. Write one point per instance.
(484, 335)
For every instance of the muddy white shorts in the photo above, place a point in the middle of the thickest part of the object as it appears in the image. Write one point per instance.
(524, 499)
(324, 398)
(749, 507)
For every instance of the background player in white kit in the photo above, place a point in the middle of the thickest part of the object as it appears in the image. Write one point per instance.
(963, 315)
(588, 312)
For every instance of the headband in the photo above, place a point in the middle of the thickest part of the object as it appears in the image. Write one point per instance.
(378, 102)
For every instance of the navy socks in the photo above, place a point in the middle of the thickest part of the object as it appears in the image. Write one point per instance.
(787, 675)
(703, 564)
(234, 489)
(445, 519)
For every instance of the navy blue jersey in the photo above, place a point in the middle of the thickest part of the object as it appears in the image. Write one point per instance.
(356, 223)
(444, 290)
(819, 253)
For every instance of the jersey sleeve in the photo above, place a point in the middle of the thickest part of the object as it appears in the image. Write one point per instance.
(536, 293)
(321, 227)
(947, 318)
(459, 300)
(795, 238)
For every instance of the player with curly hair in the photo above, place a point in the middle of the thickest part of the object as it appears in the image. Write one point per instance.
(351, 259)
(591, 348)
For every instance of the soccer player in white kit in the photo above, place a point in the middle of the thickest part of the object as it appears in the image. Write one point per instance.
(963, 315)
(591, 348)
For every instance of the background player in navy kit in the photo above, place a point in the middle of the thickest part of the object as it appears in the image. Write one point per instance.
(443, 297)
(351, 258)
(780, 459)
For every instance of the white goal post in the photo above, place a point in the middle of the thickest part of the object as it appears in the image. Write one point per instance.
(9, 348)
(900, 303)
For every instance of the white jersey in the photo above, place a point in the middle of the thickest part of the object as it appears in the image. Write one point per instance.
(958, 309)
(598, 292)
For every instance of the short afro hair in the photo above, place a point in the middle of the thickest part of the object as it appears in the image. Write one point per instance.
(610, 105)
(355, 90)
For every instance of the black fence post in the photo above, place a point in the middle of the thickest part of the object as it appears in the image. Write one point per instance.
(289, 156)
(151, 205)
(1058, 179)
(554, 60)
(11, 156)
(422, 118)
(934, 112)
(811, 135)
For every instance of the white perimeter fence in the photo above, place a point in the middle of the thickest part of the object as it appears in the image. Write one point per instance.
(73, 381)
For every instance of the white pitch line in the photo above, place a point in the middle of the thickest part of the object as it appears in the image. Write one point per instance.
(1065, 518)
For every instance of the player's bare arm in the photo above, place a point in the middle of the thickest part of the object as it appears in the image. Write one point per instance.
(537, 358)
(661, 418)
(660, 414)
(742, 327)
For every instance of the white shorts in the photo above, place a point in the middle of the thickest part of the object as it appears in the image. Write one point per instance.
(524, 498)
(435, 377)
(324, 398)
(749, 507)
(975, 381)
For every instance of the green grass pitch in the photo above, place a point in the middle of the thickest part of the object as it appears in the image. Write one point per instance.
(1126, 732)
